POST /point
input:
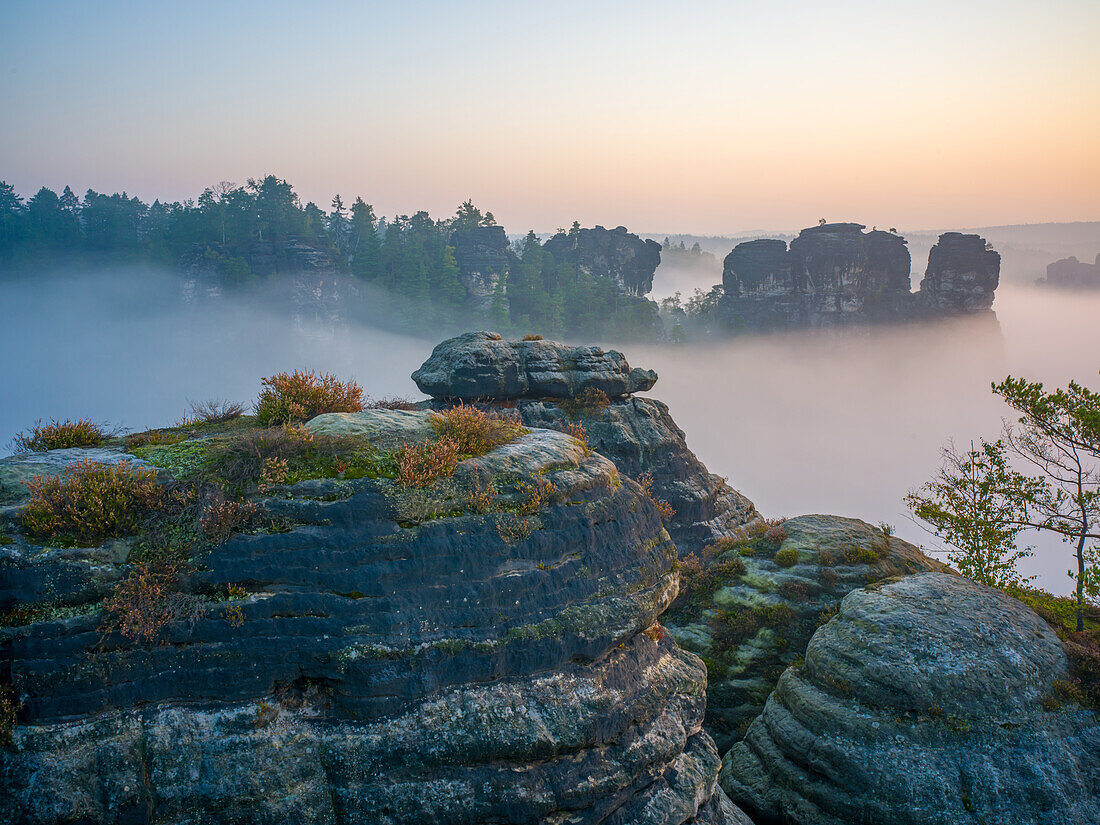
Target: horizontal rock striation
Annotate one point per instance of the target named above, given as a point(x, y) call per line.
point(837, 274)
point(481, 365)
point(442, 671)
point(926, 700)
point(616, 254)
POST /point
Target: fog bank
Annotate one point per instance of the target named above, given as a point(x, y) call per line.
point(842, 422)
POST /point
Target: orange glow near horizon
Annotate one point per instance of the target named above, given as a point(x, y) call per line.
point(715, 118)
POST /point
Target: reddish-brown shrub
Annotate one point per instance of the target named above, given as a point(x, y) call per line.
point(535, 494)
point(143, 603)
point(532, 337)
point(299, 395)
point(663, 507)
point(474, 431)
point(220, 519)
point(420, 464)
point(91, 502)
point(58, 435)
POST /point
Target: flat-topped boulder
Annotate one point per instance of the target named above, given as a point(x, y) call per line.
point(482, 365)
point(931, 699)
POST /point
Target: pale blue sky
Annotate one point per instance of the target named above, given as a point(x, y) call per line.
point(709, 116)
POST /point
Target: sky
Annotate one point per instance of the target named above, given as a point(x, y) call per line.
point(705, 117)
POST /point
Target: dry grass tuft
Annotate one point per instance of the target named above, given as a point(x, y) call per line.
point(215, 411)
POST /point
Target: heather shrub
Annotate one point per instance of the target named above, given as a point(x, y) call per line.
point(145, 602)
point(534, 494)
point(59, 435)
point(645, 480)
point(775, 535)
point(787, 557)
point(855, 554)
point(91, 502)
point(589, 402)
point(532, 337)
point(420, 464)
point(474, 431)
point(299, 396)
point(513, 528)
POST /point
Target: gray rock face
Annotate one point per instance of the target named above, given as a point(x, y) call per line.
point(962, 275)
point(639, 435)
point(480, 365)
point(832, 274)
point(443, 671)
point(922, 702)
point(1072, 273)
point(750, 615)
point(484, 258)
point(615, 253)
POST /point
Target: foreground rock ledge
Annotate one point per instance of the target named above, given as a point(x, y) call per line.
point(924, 701)
point(382, 673)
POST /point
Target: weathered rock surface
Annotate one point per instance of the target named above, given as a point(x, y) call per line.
point(963, 272)
point(1074, 274)
point(639, 435)
point(381, 674)
point(752, 616)
point(925, 700)
point(837, 274)
point(484, 259)
point(616, 254)
point(481, 365)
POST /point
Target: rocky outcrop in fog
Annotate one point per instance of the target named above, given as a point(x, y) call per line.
point(837, 274)
point(616, 254)
point(962, 275)
point(484, 257)
point(1072, 273)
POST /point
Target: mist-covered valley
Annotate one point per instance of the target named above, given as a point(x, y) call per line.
point(829, 421)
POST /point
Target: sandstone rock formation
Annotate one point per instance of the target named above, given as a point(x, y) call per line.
point(1072, 273)
point(925, 700)
point(837, 274)
point(609, 253)
point(832, 274)
point(760, 596)
point(483, 365)
point(484, 259)
point(963, 272)
point(638, 434)
point(380, 667)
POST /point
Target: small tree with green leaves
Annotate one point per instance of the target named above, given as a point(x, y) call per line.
point(1058, 434)
point(978, 505)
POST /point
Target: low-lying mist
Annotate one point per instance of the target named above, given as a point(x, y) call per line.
point(841, 422)
point(848, 422)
